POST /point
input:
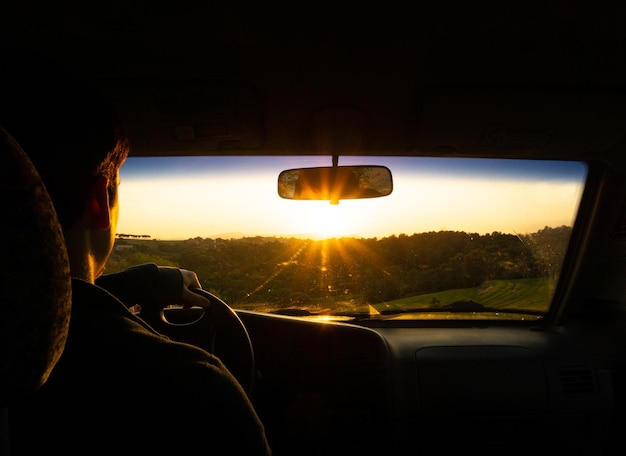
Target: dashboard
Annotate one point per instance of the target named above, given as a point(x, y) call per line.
point(323, 386)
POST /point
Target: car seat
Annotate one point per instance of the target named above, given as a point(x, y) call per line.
point(35, 288)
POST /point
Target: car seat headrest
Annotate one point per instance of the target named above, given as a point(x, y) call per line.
point(35, 284)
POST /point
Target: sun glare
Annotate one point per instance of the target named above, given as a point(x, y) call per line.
point(325, 220)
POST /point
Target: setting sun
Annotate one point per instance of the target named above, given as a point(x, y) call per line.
point(324, 220)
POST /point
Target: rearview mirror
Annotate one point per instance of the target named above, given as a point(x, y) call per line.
point(335, 183)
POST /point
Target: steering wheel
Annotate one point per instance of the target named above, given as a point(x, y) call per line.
point(216, 329)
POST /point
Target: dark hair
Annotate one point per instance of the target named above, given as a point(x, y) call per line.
point(68, 129)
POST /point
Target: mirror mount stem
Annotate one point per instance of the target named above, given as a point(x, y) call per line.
point(334, 199)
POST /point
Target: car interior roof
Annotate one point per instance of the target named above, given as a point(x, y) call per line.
point(468, 80)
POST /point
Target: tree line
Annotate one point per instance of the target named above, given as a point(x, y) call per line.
point(298, 272)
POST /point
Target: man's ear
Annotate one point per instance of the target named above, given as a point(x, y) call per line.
point(99, 203)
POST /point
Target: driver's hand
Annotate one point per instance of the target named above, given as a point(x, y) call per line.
point(188, 298)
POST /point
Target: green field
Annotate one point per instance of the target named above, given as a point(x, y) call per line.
point(527, 294)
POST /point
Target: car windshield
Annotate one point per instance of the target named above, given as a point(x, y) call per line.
point(455, 239)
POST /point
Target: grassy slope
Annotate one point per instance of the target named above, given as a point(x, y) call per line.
point(532, 294)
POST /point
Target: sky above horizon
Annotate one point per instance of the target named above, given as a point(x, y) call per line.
point(211, 197)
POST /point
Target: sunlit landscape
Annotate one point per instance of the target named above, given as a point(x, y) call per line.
point(462, 237)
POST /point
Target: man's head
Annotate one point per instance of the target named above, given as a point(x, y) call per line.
point(70, 133)
point(67, 129)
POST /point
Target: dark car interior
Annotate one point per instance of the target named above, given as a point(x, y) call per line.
point(534, 80)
